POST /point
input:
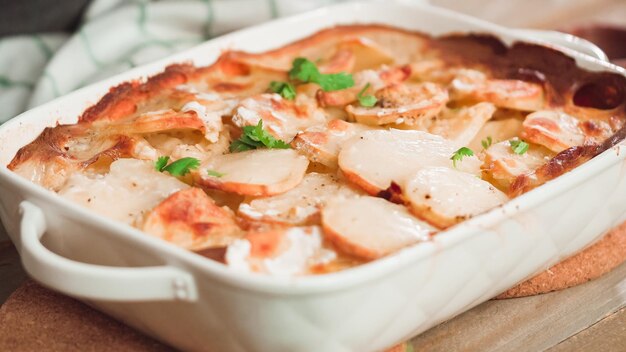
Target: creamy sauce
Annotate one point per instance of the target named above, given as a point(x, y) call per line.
point(126, 193)
point(300, 204)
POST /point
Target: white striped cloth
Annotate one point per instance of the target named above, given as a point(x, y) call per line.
point(119, 34)
point(116, 35)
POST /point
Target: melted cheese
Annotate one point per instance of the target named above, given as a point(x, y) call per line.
point(298, 205)
point(296, 251)
point(282, 118)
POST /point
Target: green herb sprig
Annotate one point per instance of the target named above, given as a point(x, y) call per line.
point(306, 71)
point(518, 146)
point(285, 89)
point(366, 100)
point(214, 173)
point(461, 153)
point(254, 137)
point(180, 167)
point(486, 143)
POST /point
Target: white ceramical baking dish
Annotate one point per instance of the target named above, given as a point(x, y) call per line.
point(196, 304)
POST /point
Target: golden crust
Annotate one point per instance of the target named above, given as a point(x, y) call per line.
point(190, 219)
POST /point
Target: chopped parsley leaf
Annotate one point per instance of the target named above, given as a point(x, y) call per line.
point(460, 154)
point(254, 137)
point(486, 143)
point(214, 173)
point(161, 163)
point(180, 167)
point(366, 100)
point(285, 89)
point(518, 146)
point(305, 71)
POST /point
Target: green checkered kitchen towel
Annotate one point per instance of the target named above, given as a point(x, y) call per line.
point(117, 35)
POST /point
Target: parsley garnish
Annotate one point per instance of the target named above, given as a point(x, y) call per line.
point(180, 167)
point(486, 142)
point(214, 173)
point(285, 89)
point(366, 100)
point(305, 71)
point(460, 154)
point(254, 137)
point(161, 163)
point(518, 146)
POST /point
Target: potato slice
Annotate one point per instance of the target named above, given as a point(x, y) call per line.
point(503, 165)
point(505, 93)
point(158, 121)
point(402, 103)
point(280, 252)
point(261, 172)
point(555, 130)
point(192, 220)
point(373, 159)
point(497, 130)
point(136, 182)
point(445, 197)
point(461, 126)
point(299, 205)
point(322, 144)
point(367, 53)
point(370, 227)
point(282, 118)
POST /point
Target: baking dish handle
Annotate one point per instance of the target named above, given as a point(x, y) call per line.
point(97, 282)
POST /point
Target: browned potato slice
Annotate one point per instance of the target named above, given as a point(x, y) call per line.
point(322, 144)
point(555, 130)
point(461, 126)
point(445, 197)
point(158, 121)
point(190, 219)
point(374, 159)
point(299, 205)
point(102, 193)
point(261, 172)
point(502, 164)
point(370, 227)
point(281, 117)
point(505, 93)
point(280, 251)
point(402, 103)
point(367, 54)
